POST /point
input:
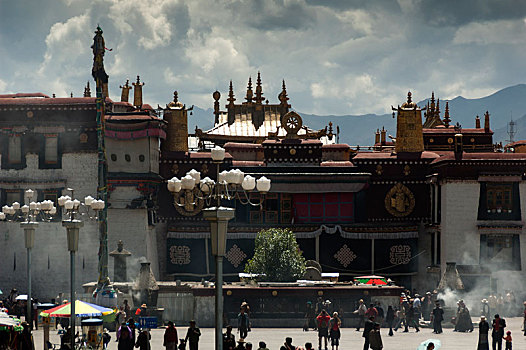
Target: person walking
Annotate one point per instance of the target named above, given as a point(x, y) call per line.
point(411, 318)
point(483, 334)
point(375, 339)
point(438, 317)
point(334, 330)
point(192, 336)
point(497, 332)
point(243, 323)
point(401, 315)
point(361, 314)
point(170, 337)
point(389, 319)
point(229, 339)
point(143, 340)
point(323, 327)
point(367, 328)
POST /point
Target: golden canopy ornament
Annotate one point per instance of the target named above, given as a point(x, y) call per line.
point(399, 201)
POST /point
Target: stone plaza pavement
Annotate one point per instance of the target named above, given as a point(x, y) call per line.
point(351, 339)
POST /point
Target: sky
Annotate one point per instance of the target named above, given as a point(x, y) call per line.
point(337, 57)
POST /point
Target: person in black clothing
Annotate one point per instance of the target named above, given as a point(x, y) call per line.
point(229, 340)
point(438, 317)
point(143, 340)
point(483, 334)
point(411, 318)
point(389, 318)
point(497, 332)
point(369, 325)
point(192, 336)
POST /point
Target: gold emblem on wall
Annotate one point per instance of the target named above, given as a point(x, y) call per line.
point(193, 202)
point(399, 201)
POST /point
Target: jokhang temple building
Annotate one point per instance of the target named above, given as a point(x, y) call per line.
point(435, 194)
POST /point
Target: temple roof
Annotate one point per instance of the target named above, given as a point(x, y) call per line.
point(243, 128)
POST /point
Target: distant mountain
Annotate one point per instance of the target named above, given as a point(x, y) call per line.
point(360, 129)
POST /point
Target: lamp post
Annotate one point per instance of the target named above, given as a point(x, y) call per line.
point(29, 240)
point(28, 216)
point(74, 208)
point(232, 184)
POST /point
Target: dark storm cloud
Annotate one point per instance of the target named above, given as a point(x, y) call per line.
point(273, 14)
point(456, 13)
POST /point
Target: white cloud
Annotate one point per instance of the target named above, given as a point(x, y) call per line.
point(335, 57)
point(3, 85)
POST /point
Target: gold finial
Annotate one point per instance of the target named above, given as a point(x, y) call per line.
point(446, 115)
point(409, 101)
point(71, 94)
point(438, 108)
point(231, 97)
point(176, 96)
point(125, 93)
point(486, 122)
point(477, 122)
point(87, 91)
point(54, 95)
point(259, 90)
point(249, 91)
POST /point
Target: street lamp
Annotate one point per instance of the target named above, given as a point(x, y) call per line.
point(28, 216)
point(75, 208)
point(232, 184)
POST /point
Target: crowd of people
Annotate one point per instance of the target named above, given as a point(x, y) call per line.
point(409, 313)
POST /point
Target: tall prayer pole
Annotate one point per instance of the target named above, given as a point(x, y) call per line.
point(104, 293)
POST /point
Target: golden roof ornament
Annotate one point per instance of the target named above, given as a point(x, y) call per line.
point(87, 91)
point(259, 90)
point(447, 120)
point(249, 91)
point(409, 103)
point(231, 97)
point(125, 93)
point(175, 103)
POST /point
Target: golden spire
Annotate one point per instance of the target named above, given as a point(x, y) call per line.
point(438, 108)
point(87, 91)
point(137, 93)
point(125, 94)
point(259, 90)
point(249, 91)
point(231, 97)
point(446, 116)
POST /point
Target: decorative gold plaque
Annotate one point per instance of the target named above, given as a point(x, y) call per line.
point(399, 201)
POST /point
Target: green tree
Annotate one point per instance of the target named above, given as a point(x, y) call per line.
point(277, 256)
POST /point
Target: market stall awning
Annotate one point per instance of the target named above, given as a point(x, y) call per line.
point(82, 309)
